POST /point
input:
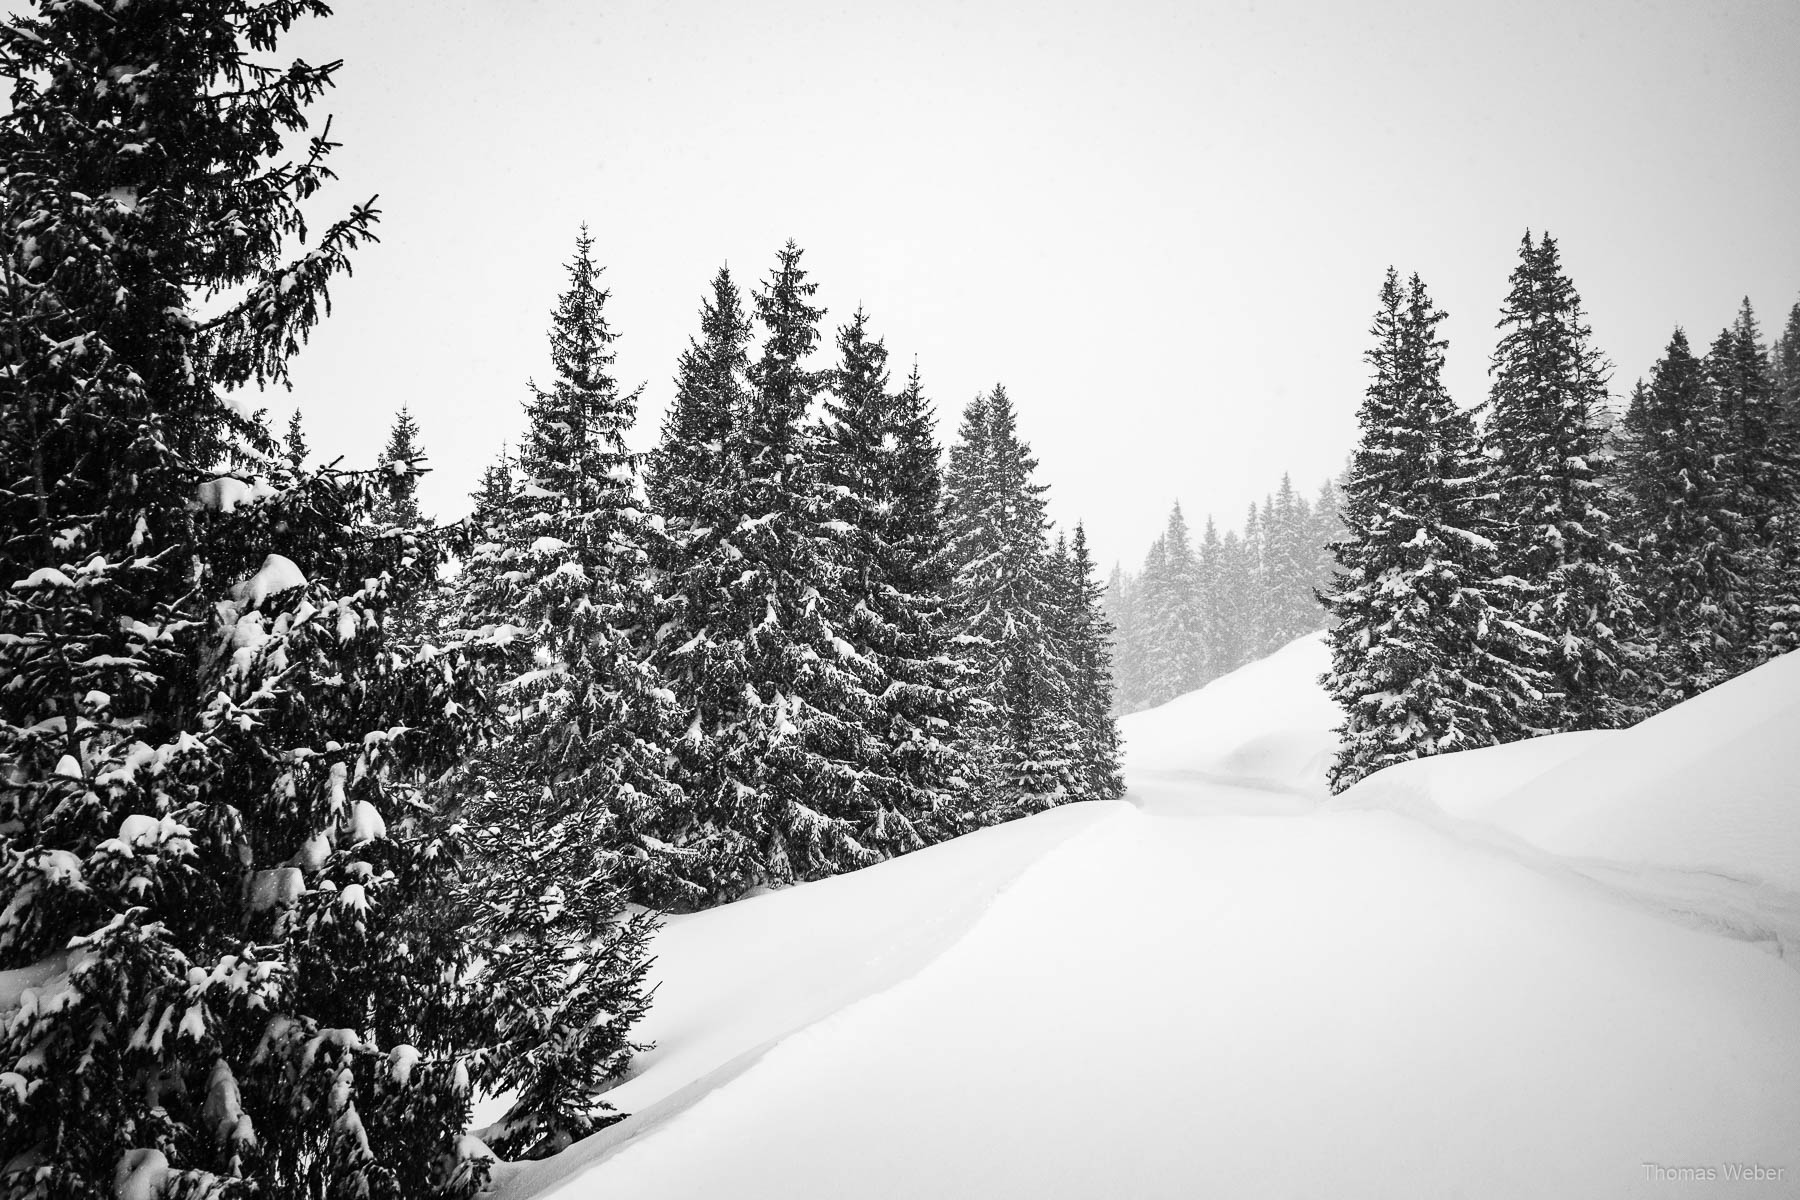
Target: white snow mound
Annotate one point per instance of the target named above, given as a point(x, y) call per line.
point(1696, 809)
point(1222, 987)
point(1267, 724)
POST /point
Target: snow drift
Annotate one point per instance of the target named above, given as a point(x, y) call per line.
point(1695, 811)
point(1267, 724)
point(1223, 987)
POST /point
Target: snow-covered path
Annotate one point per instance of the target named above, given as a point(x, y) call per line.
point(1207, 989)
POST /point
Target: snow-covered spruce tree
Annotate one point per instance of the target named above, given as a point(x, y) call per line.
point(211, 841)
point(1548, 472)
point(1327, 528)
point(294, 448)
point(1780, 616)
point(971, 537)
point(692, 475)
point(1174, 616)
point(402, 461)
point(401, 458)
point(1288, 568)
point(1209, 561)
point(563, 803)
point(1424, 659)
point(1257, 607)
point(1696, 561)
point(695, 479)
point(1151, 585)
point(1765, 461)
point(483, 595)
point(1784, 360)
point(1762, 459)
point(780, 702)
point(1086, 637)
point(1236, 596)
point(1006, 593)
point(882, 465)
point(1127, 651)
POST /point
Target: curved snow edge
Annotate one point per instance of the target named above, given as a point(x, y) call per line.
point(542, 1178)
point(1747, 910)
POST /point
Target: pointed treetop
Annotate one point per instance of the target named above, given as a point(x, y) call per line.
point(295, 449)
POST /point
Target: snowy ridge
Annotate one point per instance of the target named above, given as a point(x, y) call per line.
point(1267, 724)
point(1716, 902)
point(1694, 814)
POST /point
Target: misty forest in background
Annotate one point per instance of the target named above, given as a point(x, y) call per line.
point(1545, 562)
point(1204, 606)
point(319, 820)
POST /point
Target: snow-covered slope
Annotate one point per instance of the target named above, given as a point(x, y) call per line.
point(1212, 989)
point(1267, 724)
point(1695, 811)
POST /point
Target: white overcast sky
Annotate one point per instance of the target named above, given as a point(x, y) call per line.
point(1162, 225)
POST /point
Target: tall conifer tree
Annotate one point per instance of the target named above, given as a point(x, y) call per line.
point(294, 449)
point(1696, 558)
point(1780, 616)
point(694, 471)
point(1547, 466)
point(1423, 658)
point(1087, 650)
point(779, 699)
point(881, 461)
point(1174, 616)
point(402, 458)
point(1766, 464)
point(972, 537)
point(1327, 528)
point(1785, 363)
point(1127, 653)
point(574, 792)
point(211, 747)
point(1288, 568)
point(1235, 601)
point(1255, 605)
point(1007, 591)
point(1210, 560)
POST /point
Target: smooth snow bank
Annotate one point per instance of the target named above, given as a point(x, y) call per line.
point(1218, 988)
point(735, 980)
point(1696, 810)
point(1345, 1005)
point(1267, 724)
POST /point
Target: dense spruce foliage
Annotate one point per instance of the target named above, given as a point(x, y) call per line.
point(1427, 652)
point(1557, 517)
point(1554, 568)
point(219, 840)
point(868, 652)
point(562, 803)
point(1028, 624)
point(317, 821)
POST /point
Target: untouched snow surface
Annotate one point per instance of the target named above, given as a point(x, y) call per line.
point(1267, 724)
point(1214, 988)
point(1696, 811)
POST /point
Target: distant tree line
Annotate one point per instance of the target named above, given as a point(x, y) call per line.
point(1537, 566)
point(1202, 608)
